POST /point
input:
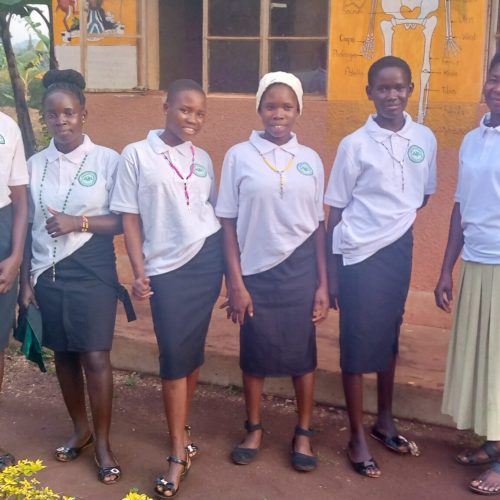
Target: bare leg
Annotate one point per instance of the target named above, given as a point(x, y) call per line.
point(175, 402)
point(253, 387)
point(2, 363)
point(304, 392)
point(70, 377)
point(191, 381)
point(385, 391)
point(97, 367)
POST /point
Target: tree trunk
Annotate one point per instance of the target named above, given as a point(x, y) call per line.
point(52, 53)
point(18, 88)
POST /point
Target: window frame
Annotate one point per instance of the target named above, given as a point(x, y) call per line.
point(264, 39)
point(493, 41)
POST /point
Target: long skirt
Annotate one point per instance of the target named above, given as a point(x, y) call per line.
point(472, 384)
point(372, 296)
point(7, 300)
point(280, 338)
point(181, 306)
point(78, 309)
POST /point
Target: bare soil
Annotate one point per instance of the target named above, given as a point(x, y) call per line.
point(33, 422)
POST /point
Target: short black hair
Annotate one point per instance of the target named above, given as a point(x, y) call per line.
point(67, 80)
point(182, 84)
point(494, 62)
point(388, 62)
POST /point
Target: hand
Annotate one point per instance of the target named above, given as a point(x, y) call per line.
point(8, 273)
point(60, 223)
point(141, 289)
point(238, 304)
point(26, 296)
point(443, 292)
point(321, 305)
point(333, 290)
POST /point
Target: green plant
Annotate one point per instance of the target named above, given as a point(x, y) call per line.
point(15, 485)
point(132, 379)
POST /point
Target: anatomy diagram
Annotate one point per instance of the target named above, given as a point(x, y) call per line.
point(410, 14)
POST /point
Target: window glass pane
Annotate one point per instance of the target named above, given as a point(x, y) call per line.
point(305, 59)
point(233, 66)
point(181, 28)
point(233, 17)
point(299, 18)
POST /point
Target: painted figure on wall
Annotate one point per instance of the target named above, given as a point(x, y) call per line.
point(410, 14)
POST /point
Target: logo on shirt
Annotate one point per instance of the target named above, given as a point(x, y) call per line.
point(2, 139)
point(199, 170)
point(304, 168)
point(87, 179)
point(416, 154)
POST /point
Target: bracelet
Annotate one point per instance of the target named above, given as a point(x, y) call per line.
point(85, 224)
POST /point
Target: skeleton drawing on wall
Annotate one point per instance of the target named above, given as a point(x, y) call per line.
point(410, 14)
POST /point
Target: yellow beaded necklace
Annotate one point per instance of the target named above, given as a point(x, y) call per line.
point(280, 172)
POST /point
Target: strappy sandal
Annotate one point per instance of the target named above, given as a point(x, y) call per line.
point(469, 456)
point(104, 474)
point(300, 461)
point(475, 488)
point(66, 454)
point(395, 443)
point(367, 468)
point(163, 485)
point(244, 456)
point(192, 449)
point(6, 460)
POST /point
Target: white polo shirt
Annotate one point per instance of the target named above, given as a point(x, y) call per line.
point(173, 233)
point(13, 171)
point(379, 178)
point(478, 192)
point(270, 226)
point(90, 195)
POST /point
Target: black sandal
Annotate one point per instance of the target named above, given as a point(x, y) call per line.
point(192, 449)
point(300, 461)
point(163, 485)
point(244, 456)
point(469, 456)
point(6, 460)
point(104, 473)
point(65, 454)
point(367, 468)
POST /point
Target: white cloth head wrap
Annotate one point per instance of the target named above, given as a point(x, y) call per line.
point(280, 77)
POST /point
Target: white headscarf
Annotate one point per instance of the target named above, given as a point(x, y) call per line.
point(280, 77)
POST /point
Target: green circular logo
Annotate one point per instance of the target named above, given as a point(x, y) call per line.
point(199, 170)
point(304, 168)
point(416, 154)
point(87, 179)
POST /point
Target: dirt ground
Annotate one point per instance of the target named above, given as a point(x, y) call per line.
point(33, 423)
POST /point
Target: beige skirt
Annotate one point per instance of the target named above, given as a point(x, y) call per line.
point(472, 386)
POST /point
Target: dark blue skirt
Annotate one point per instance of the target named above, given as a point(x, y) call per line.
point(372, 296)
point(181, 307)
point(280, 339)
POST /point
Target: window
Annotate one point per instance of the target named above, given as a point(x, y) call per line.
point(229, 44)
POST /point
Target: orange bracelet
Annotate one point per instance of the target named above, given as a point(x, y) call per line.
point(85, 224)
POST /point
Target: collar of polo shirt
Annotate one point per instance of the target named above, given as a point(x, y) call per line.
point(264, 146)
point(159, 147)
point(379, 134)
point(484, 128)
point(75, 156)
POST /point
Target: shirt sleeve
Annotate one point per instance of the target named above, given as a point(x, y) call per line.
point(228, 199)
point(320, 189)
point(212, 198)
point(458, 191)
point(342, 178)
point(430, 185)
point(19, 171)
point(124, 197)
point(31, 206)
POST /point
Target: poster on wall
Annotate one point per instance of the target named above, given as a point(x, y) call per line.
point(442, 40)
point(103, 17)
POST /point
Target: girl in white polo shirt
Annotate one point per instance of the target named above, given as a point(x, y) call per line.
point(166, 193)
point(13, 224)
point(73, 276)
point(383, 173)
point(271, 205)
point(472, 390)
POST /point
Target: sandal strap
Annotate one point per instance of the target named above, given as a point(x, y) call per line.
point(495, 466)
point(187, 428)
point(177, 460)
point(491, 450)
point(252, 427)
point(164, 483)
point(300, 431)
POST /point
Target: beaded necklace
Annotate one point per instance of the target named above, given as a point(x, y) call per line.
point(65, 204)
point(184, 179)
point(401, 161)
point(280, 172)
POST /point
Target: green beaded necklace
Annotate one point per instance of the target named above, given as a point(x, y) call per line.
point(65, 204)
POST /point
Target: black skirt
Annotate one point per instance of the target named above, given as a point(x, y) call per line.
point(78, 309)
point(280, 338)
point(7, 300)
point(182, 305)
point(372, 296)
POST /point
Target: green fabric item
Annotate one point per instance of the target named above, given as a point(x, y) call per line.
point(29, 333)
